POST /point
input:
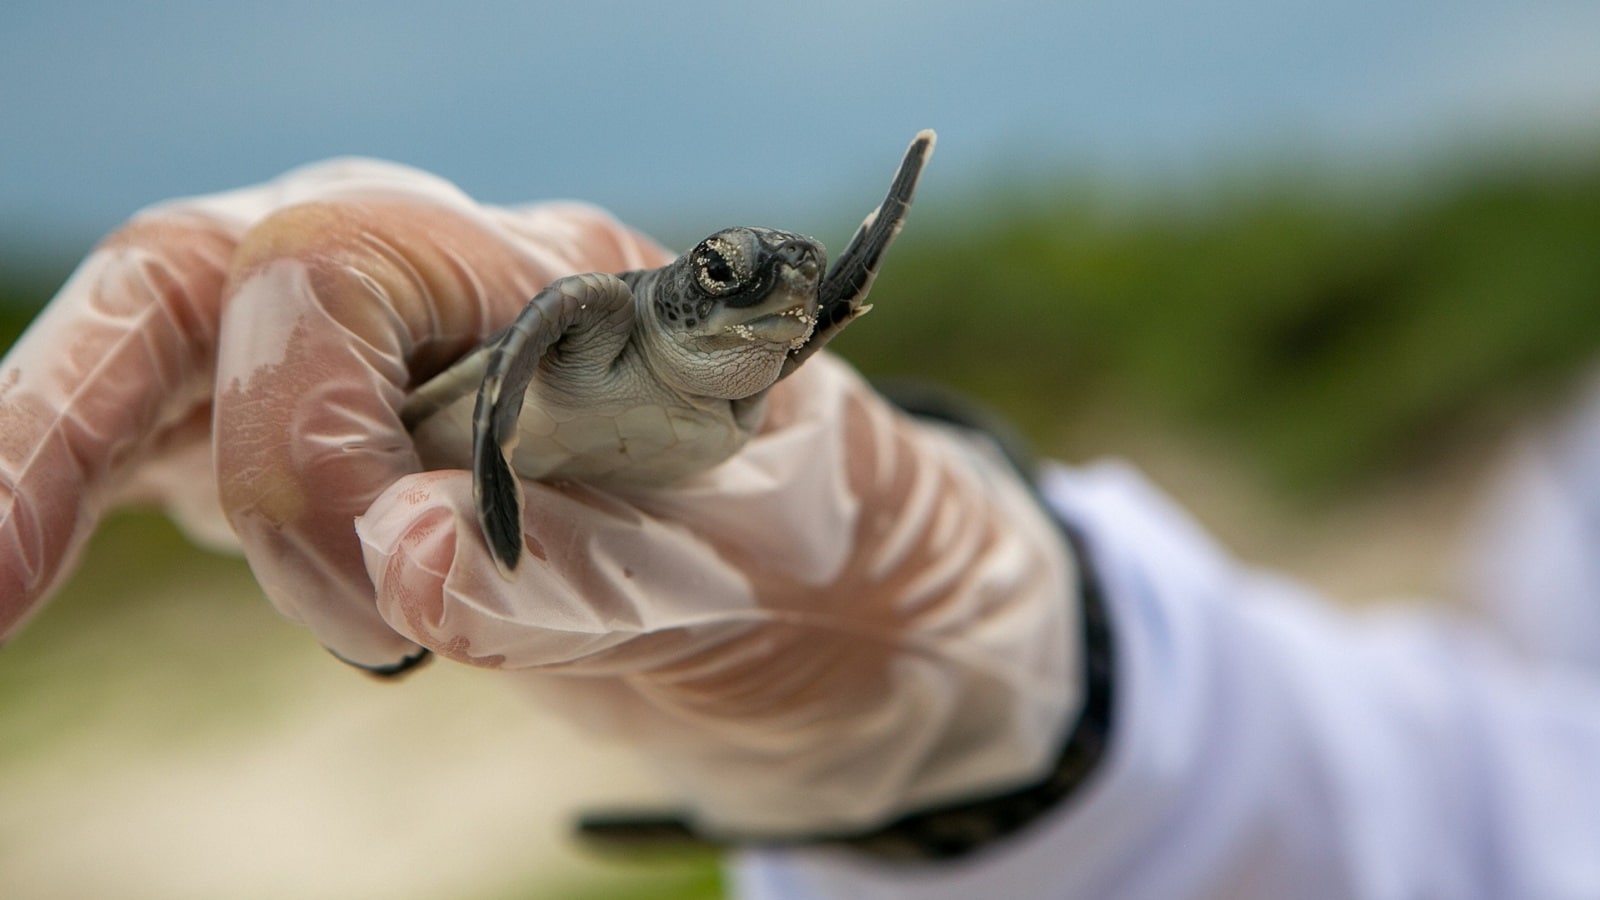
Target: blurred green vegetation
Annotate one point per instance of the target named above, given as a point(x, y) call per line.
point(1323, 336)
point(691, 876)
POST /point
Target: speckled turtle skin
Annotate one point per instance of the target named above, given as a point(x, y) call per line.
point(649, 376)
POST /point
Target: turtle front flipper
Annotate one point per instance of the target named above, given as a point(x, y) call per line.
point(591, 315)
point(840, 298)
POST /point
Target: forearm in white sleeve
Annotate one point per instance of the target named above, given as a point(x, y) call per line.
point(1266, 745)
point(1533, 567)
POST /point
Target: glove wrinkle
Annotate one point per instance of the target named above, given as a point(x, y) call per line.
point(103, 373)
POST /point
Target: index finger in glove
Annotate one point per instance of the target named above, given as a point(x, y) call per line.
point(113, 381)
point(123, 354)
point(335, 310)
point(603, 576)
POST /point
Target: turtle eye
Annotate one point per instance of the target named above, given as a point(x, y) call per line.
point(714, 271)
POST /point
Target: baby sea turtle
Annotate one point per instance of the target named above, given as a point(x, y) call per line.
point(650, 376)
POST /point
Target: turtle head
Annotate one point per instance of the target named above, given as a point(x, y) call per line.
point(747, 284)
point(733, 308)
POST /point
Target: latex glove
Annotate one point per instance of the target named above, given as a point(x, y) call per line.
point(854, 616)
point(271, 333)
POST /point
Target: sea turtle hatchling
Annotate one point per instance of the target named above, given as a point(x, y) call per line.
point(649, 376)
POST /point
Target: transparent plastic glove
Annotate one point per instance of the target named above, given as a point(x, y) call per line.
point(267, 336)
point(856, 615)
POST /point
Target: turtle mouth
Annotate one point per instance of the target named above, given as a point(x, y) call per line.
point(785, 316)
point(791, 327)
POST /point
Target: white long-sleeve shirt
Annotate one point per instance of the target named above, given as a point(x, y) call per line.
point(1267, 745)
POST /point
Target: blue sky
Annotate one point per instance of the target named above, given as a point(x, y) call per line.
point(687, 117)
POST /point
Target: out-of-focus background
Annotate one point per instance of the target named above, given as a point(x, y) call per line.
point(1310, 264)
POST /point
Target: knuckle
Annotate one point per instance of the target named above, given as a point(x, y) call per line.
point(303, 231)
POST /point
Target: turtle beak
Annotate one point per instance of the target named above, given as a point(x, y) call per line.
point(800, 263)
point(787, 313)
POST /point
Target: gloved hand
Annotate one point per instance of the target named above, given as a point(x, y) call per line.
point(855, 616)
point(271, 332)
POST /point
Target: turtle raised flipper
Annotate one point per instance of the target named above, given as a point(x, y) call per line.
point(592, 315)
point(845, 290)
